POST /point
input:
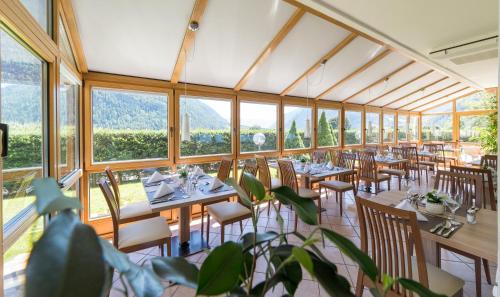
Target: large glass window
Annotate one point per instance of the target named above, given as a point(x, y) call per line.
point(437, 127)
point(372, 127)
point(298, 127)
point(68, 110)
point(402, 127)
point(258, 127)
point(413, 128)
point(388, 127)
point(40, 10)
point(471, 126)
point(445, 108)
point(328, 127)
point(205, 126)
point(65, 44)
point(477, 101)
point(21, 107)
point(352, 127)
point(129, 125)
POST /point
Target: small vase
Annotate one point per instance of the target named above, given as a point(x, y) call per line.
point(434, 208)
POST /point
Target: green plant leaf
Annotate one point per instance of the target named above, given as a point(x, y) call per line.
point(241, 193)
point(143, 281)
point(220, 271)
point(66, 261)
point(254, 185)
point(302, 256)
point(177, 270)
point(114, 257)
point(291, 274)
point(247, 240)
point(49, 197)
point(387, 282)
point(246, 268)
point(327, 276)
point(304, 207)
point(352, 251)
point(416, 287)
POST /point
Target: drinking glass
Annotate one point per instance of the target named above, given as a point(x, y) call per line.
point(454, 202)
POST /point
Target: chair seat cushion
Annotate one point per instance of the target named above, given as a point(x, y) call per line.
point(337, 185)
point(226, 211)
point(308, 193)
point(135, 210)
point(392, 171)
point(440, 281)
point(143, 231)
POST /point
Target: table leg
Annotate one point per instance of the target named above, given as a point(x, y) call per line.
point(187, 242)
point(184, 227)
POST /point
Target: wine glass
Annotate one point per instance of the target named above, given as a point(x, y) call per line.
point(454, 202)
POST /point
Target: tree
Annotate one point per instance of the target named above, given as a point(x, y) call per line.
point(488, 133)
point(325, 135)
point(293, 139)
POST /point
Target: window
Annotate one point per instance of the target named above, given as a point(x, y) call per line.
point(40, 10)
point(389, 128)
point(477, 101)
point(328, 127)
point(352, 127)
point(22, 100)
point(297, 127)
point(129, 125)
point(413, 128)
point(372, 127)
point(402, 127)
point(258, 127)
point(65, 44)
point(446, 108)
point(471, 126)
point(205, 126)
point(68, 110)
point(437, 127)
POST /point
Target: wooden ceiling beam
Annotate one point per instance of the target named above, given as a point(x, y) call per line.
point(386, 77)
point(448, 101)
point(355, 72)
point(400, 86)
point(318, 64)
point(290, 24)
point(428, 95)
point(187, 42)
point(74, 36)
point(416, 91)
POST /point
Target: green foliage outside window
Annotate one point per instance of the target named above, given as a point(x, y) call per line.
point(325, 134)
point(293, 140)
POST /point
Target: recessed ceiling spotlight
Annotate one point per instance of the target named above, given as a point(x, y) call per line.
point(194, 26)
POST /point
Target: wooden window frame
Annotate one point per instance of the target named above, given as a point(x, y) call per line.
point(357, 108)
point(298, 102)
point(377, 110)
point(324, 104)
point(389, 112)
point(406, 115)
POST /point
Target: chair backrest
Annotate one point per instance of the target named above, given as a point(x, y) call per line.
point(319, 156)
point(114, 184)
point(224, 169)
point(437, 149)
point(398, 152)
point(334, 157)
point(488, 197)
point(113, 207)
point(469, 186)
point(247, 168)
point(410, 153)
point(386, 236)
point(288, 176)
point(489, 161)
point(347, 160)
point(371, 148)
point(368, 167)
point(264, 173)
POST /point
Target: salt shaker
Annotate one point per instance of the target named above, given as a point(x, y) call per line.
point(471, 213)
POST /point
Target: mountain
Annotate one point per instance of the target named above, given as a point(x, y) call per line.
point(202, 115)
point(298, 116)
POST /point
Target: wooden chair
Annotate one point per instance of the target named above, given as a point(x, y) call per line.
point(226, 212)
point(368, 171)
point(289, 178)
point(410, 153)
point(386, 234)
point(319, 156)
point(470, 186)
point(489, 200)
point(489, 161)
point(439, 157)
point(396, 170)
point(131, 212)
point(222, 174)
point(265, 177)
point(137, 235)
point(334, 156)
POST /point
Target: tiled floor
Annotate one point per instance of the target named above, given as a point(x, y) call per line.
point(346, 225)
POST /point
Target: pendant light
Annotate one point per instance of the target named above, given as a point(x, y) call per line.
point(307, 132)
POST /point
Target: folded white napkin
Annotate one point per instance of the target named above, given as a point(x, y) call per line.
point(406, 205)
point(163, 189)
point(307, 168)
point(156, 177)
point(198, 171)
point(329, 165)
point(214, 184)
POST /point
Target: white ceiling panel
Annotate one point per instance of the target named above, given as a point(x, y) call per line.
point(122, 37)
point(443, 100)
point(435, 96)
point(353, 56)
point(420, 94)
point(375, 72)
point(232, 35)
point(416, 85)
point(308, 41)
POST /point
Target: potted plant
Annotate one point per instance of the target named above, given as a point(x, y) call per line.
point(183, 175)
point(303, 161)
point(435, 202)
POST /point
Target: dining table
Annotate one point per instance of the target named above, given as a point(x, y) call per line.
point(478, 239)
point(187, 242)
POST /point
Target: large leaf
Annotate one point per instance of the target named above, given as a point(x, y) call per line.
point(332, 282)
point(66, 261)
point(291, 273)
point(248, 239)
point(302, 256)
point(417, 288)
point(255, 187)
point(349, 249)
point(143, 281)
point(220, 271)
point(177, 270)
point(114, 257)
point(241, 193)
point(50, 199)
point(304, 207)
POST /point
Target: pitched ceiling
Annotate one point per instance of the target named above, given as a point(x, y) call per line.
point(260, 45)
